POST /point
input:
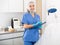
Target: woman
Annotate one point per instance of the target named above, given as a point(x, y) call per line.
point(31, 22)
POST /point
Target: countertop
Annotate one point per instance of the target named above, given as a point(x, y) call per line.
point(10, 35)
point(2, 32)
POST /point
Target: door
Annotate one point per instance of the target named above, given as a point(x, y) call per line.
point(18, 41)
point(3, 5)
point(6, 42)
point(15, 5)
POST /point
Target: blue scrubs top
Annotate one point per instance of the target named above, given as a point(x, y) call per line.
point(31, 34)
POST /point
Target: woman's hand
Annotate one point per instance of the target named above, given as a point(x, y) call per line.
point(27, 26)
point(37, 24)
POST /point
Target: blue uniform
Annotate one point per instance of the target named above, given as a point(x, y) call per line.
point(31, 34)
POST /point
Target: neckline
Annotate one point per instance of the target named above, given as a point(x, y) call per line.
point(32, 16)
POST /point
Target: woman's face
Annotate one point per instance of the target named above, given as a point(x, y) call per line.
point(32, 7)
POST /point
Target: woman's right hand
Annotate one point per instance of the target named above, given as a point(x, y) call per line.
point(37, 24)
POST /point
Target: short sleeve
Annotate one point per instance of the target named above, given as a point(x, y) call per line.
point(24, 19)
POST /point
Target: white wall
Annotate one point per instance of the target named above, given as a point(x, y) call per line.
point(47, 4)
point(5, 17)
point(11, 5)
point(53, 4)
point(43, 10)
point(43, 13)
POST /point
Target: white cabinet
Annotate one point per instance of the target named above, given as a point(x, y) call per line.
point(6, 42)
point(3, 5)
point(11, 39)
point(11, 5)
point(15, 6)
point(52, 4)
point(26, 2)
point(4, 39)
point(18, 41)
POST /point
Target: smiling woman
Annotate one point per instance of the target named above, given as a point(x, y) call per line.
point(32, 24)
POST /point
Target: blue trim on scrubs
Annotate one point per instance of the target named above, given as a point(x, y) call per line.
point(31, 34)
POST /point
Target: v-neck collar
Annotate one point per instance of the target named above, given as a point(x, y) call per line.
point(32, 16)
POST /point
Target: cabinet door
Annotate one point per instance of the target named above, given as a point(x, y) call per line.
point(3, 5)
point(18, 41)
point(15, 5)
point(6, 42)
point(4, 39)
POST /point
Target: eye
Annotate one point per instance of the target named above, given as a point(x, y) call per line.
point(31, 6)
